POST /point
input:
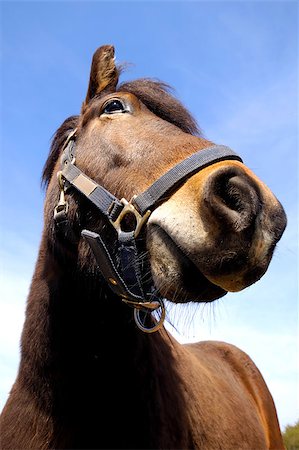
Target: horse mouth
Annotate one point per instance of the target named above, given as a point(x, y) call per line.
point(178, 279)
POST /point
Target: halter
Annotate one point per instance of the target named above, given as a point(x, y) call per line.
point(123, 269)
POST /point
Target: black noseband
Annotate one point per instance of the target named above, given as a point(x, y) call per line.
point(125, 276)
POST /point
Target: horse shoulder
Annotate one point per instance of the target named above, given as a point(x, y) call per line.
point(230, 363)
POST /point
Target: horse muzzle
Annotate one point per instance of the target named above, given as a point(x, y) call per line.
point(226, 224)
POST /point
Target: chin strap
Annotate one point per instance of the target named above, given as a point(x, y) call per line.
point(122, 267)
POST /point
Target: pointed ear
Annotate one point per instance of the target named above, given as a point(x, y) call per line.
point(103, 74)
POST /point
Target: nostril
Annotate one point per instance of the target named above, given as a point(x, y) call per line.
point(236, 194)
point(233, 198)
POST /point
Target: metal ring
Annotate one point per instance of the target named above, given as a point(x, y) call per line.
point(129, 208)
point(157, 324)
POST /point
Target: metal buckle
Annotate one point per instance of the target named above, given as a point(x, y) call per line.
point(130, 209)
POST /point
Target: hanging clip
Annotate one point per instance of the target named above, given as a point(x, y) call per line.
point(62, 206)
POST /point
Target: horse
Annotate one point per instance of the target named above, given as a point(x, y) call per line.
point(98, 368)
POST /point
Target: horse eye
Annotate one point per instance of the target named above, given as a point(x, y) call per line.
point(113, 106)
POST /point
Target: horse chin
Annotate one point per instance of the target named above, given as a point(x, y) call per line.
point(175, 276)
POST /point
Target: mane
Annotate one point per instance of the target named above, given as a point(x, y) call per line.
point(57, 142)
point(154, 94)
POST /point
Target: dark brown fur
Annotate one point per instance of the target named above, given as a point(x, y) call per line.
point(88, 378)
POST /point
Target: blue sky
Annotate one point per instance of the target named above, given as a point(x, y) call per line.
point(235, 66)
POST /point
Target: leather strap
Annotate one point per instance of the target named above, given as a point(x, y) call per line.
point(110, 206)
point(108, 267)
point(106, 202)
point(130, 263)
point(177, 174)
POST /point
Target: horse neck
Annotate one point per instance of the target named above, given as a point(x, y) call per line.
point(81, 351)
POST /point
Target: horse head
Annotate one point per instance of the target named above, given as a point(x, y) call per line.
point(213, 232)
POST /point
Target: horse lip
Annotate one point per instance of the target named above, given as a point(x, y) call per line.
point(203, 290)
